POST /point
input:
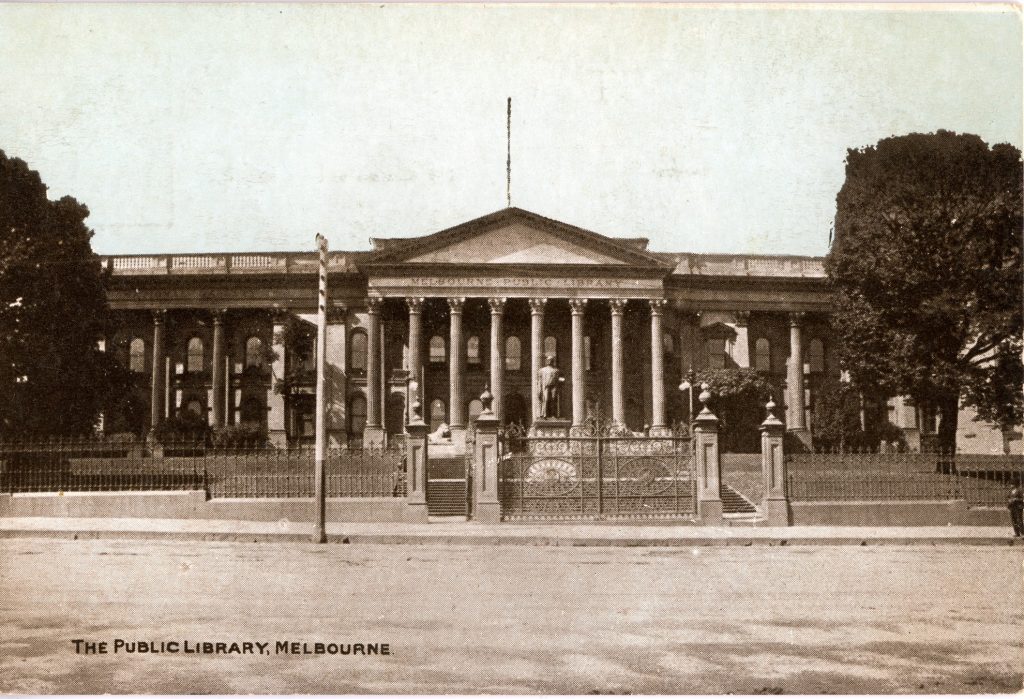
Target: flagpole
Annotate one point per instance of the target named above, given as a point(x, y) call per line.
point(320, 529)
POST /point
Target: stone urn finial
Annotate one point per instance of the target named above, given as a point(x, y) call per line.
point(705, 416)
point(771, 420)
point(705, 394)
point(486, 399)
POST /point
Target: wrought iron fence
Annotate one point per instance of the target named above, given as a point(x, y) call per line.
point(979, 479)
point(253, 471)
point(596, 475)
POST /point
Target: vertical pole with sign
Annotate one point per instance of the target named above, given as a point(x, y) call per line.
point(320, 477)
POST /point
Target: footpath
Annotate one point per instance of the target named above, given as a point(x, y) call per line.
point(473, 533)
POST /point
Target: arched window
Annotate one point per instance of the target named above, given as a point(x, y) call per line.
point(714, 348)
point(195, 355)
point(437, 350)
point(357, 415)
point(254, 352)
point(668, 343)
point(513, 358)
point(357, 361)
point(137, 355)
point(762, 355)
point(473, 350)
point(550, 347)
point(474, 409)
point(195, 407)
point(816, 355)
point(437, 413)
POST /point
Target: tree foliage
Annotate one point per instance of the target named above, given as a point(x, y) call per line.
point(738, 398)
point(926, 270)
point(53, 377)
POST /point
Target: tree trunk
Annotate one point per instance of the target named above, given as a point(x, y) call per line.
point(949, 407)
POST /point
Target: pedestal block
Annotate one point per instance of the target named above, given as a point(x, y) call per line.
point(416, 471)
point(487, 507)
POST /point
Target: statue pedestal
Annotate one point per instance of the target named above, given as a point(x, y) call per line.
point(550, 427)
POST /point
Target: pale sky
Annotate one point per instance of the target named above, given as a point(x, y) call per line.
point(195, 128)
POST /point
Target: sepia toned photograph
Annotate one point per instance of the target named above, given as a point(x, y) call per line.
point(511, 349)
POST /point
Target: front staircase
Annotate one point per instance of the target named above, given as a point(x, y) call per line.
point(735, 503)
point(447, 494)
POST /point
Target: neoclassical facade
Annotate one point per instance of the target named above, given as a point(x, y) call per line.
point(481, 304)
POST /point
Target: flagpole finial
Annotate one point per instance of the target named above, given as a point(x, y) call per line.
point(508, 154)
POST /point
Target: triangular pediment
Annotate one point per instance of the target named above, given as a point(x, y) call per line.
point(513, 237)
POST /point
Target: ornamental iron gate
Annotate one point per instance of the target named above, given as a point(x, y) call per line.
point(596, 473)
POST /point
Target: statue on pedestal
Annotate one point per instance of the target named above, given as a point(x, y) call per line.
point(550, 379)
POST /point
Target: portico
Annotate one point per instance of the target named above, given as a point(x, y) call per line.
point(482, 304)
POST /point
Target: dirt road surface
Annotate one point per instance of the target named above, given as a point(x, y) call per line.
point(517, 619)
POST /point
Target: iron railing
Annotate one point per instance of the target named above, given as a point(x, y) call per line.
point(254, 471)
point(978, 479)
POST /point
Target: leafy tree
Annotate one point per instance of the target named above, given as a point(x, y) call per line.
point(738, 398)
point(53, 377)
point(298, 337)
point(926, 270)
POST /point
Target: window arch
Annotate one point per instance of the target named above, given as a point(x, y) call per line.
point(195, 355)
point(762, 355)
point(714, 348)
point(137, 355)
point(195, 407)
point(816, 355)
point(473, 350)
point(438, 413)
point(357, 359)
point(357, 415)
point(437, 353)
point(254, 352)
point(513, 354)
point(551, 347)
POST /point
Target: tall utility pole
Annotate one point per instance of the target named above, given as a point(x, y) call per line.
point(320, 529)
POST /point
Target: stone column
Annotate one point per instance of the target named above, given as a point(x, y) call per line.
point(156, 405)
point(276, 430)
point(739, 348)
point(773, 468)
point(497, 356)
point(618, 404)
point(579, 406)
point(487, 507)
point(336, 366)
point(659, 426)
point(536, 353)
point(709, 465)
point(416, 465)
point(415, 305)
point(456, 372)
point(373, 435)
point(795, 375)
point(218, 373)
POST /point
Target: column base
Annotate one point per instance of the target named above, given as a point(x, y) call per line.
point(710, 511)
point(777, 512)
point(337, 439)
point(373, 438)
point(487, 512)
point(458, 435)
point(279, 438)
point(803, 435)
point(416, 513)
point(659, 431)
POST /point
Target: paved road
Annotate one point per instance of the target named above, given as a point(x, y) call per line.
point(513, 619)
